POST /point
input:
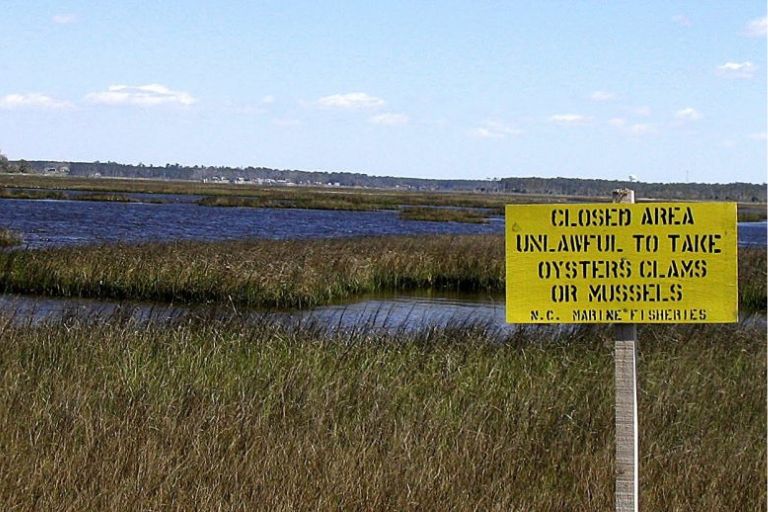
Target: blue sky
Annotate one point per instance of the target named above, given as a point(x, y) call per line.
point(662, 90)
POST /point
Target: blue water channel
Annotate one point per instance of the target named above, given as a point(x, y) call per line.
point(45, 223)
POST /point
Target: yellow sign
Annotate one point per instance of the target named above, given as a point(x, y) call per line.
point(622, 263)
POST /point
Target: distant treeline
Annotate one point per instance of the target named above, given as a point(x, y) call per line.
point(199, 172)
point(743, 192)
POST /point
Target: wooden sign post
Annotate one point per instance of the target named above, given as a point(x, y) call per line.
point(624, 264)
point(625, 385)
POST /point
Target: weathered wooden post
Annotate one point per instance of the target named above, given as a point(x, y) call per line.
point(625, 385)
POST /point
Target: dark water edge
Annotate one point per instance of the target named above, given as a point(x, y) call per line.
point(51, 223)
point(389, 313)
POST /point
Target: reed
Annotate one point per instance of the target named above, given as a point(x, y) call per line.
point(293, 273)
point(748, 212)
point(102, 196)
point(220, 415)
point(444, 215)
point(7, 193)
point(297, 273)
point(9, 238)
point(298, 200)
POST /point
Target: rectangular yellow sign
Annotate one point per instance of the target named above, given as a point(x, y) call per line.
point(621, 263)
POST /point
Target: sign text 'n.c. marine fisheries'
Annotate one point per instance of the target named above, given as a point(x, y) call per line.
point(622, 263)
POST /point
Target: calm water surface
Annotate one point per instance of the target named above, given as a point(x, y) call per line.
point(46, 223)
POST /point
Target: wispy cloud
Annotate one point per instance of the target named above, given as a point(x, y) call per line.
point(33, 100)
point(602, 96)
point(64, 19)
point(687, 114)
point(268, 99)
point(390, 119)
point(737, 69)
point(351, 100)
point(640, 129)
point(569, 119)
point(757, 27)
point(141, 95)
point(682, 20)
point(494, 130)
point(632, 129)
point(758, 136)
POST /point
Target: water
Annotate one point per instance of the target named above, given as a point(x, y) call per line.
point(46, 223)
point(753, 234)
point(54, 223)
point(392, 313)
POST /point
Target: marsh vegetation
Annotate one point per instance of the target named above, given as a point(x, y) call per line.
point(205, 414)
point(287, 273)
point(9, 238)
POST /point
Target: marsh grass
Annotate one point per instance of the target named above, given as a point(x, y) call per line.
point(297, 273)
point(220, 415)
point(10, 238)
point(8, 193)
point(752, 279)
point(280, 199)
point(294, 273)
point(102, 196)
point(748, 212)
point(445, 215)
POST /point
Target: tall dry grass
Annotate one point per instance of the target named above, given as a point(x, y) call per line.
point(10, 238)
point(298, 273)
point(204, 415)
point(258, 273)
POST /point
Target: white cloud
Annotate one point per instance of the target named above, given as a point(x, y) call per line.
point(758, 136)
point(639, 129)
point(570, 119)
point(757, 27)
point(602, 96)
point(268, 99)
point(688, 114)
point(682, 20)
point(634, 129)
point(64, 19)
point(390, 119)
point(494, 130)
point(737, 69)
point(141, 95)
point(33, 100)
point(351, 100)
